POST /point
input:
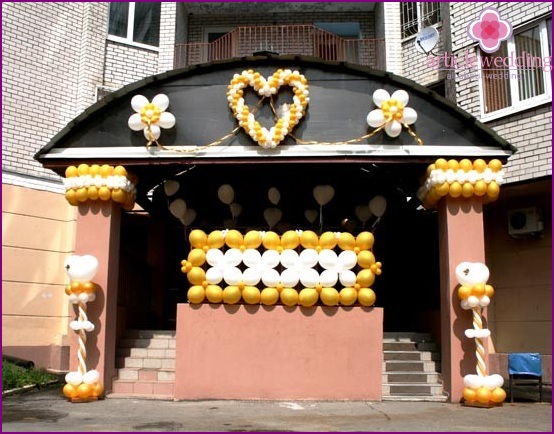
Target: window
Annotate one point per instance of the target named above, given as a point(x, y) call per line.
point(517, 76)
point(418, 15)
point(135, 23)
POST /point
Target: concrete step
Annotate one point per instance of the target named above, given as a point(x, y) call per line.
point(413, 389)
point(146, 353)
point(415, 398)
point(410, 355)
point(160, 389)
point(409, 346)
point(162, 343)
point(410, 377)
point(406, 337)
point(391, 366)
point(150, 334)
point(146, 374)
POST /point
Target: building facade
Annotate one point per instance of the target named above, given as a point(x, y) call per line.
point(69, 55)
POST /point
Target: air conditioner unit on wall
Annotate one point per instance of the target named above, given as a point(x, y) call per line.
point(525, 222)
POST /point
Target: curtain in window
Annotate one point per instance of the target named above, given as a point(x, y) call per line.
point(119, 14)
point(530, 76)
point(147, 23)
point(496, 81)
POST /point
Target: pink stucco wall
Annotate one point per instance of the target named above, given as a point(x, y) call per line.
point(276, 352)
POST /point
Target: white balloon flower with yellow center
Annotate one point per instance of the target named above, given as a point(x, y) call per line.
point(392, 112)
point(150, 116)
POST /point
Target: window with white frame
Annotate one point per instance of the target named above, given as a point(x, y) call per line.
point(518, 75)
point(135, 23)
point(417, 15)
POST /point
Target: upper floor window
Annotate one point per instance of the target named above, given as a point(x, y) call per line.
point(135, 23)
point(518, 75)
point(418, 15)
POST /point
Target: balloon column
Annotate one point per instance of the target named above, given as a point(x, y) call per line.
point(296, 268)
point(480, 390)
point(82, 385)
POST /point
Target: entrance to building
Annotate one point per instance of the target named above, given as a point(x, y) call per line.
point(153, 243)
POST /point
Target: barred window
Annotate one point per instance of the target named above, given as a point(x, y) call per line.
point(418, 15)
point(136, 23)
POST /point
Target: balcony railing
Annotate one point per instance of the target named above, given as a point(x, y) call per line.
point(304, 40)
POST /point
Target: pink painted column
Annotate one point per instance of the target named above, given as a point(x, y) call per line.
point(461, 238)
point(98, 231)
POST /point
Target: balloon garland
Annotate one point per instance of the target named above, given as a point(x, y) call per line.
point(480, 390)
point(461, 179)
point(227, 266)
point(90, 183)
point(82, 385)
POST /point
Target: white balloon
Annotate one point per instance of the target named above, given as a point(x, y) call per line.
point(470, 333)
point(84, 297)
point(135, 122)
point(348, 259)
point(81, 268)
point(167, 120)
point(393, 128)
point(274, 195)
point(290, 277)
point(311, 215)
point(272, 216)
point(484, 301)
point(214, 276)
point(226, 194)
point(472, 301)
point(88, 326)
point(497, 380)
point(178, 208)
point(233, 257)
point(465, 305)
point(73, 378)
point(251, 257)
point(171, 187)
point(323, 194)
point(308, 258)
point(309, 278)
point(270, 278)
point(473, 381)
point(236, 209)
point(289, 258)
point(401, 95)
point(270, 258)
point(155, 131)
point(380, 96)
point(347, 278)
point(328, 278)
point(214, 257)
point(232, 275)
point(75, 325)
point(410, 115)
point(91, 297)
point(378, 205)
point(252, 276)
point(162, 101)
point(138, 102)
point(375, 118)
point(363, 213)
point(189, 217)
point(489, 382)
point(472, 273)
point(73, 298)
point(91, 377)
point(328, 259)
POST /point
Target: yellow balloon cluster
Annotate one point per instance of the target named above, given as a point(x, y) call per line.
point(461, 179)
point(83, 391)
point(83, 183)
point(484, 395)
point(358, 291)
point(77, 288)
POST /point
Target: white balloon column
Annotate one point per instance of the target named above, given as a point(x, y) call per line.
point(480, 390)
point(82, 385)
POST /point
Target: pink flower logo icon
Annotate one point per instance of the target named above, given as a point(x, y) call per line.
point(489, 29)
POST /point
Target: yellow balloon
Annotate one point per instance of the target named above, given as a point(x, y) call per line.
point(483, 395)
point(327, 240)
point(234, 239)
point(442, 189)
point(120, 171)
point(479, 165)
point(289, 297)
point(366, 259)
point(104, 193)
point(478, 290)
point(97, 390)
point(498, 395)
point(365, 240)
point(196, 294)
point(464, 292)
point(441, 164)
point(71, 172)
point(470, 394)
point(348, 296)
point(365, 278)
point(94, 170)
point(493, 190)
point(495, 165)
point(329, 296)
point(430, 168)
point(347, 241)
point(105, 170)
point(480, 188)
point(489, 291)
point(83, 169)
point(308, 239)
point(119, 195)
point(251, 295)
point(290, 240)
point(231, 294)
point(308, 297)
point(214, 293)
point(84, 390)
point(216, 240)
point(70, 391)
point(467, 189)
point(366, 297)
point(455, 189)
point(71, 196)
point(453, 165)
point(271, 240)
point(197, 257)
point(269, 296)
point(252, 240)
point(92, 192)
point(196, 276)
point(82, 194)
point(466, 165)
point(198, 238)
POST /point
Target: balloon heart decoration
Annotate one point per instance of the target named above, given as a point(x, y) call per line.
point(290, 114)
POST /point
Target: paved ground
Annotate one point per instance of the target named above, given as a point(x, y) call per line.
point(47, 411)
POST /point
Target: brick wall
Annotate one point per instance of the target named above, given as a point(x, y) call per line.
point(167, 36)
point(415, 65)
point(126, 64)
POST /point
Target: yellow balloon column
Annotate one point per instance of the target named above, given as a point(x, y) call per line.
point(82, 385)
point(296, 268)
point(480, 389)
point(91, 183)
point(462, 179)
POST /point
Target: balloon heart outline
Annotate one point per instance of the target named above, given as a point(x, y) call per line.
point(290, 114)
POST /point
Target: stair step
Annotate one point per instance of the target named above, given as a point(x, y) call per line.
point(410, 366)
point(410, 377)
point(413, 389)
point(149, 343)
point(146, 353)
point(406, 337)
point(409, 346)
point(410, 355)
point(143, 387)
point(415, 398)
point(150, 334)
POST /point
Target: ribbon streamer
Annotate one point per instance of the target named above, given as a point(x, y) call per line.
point(481, 367)
point(82, 354)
